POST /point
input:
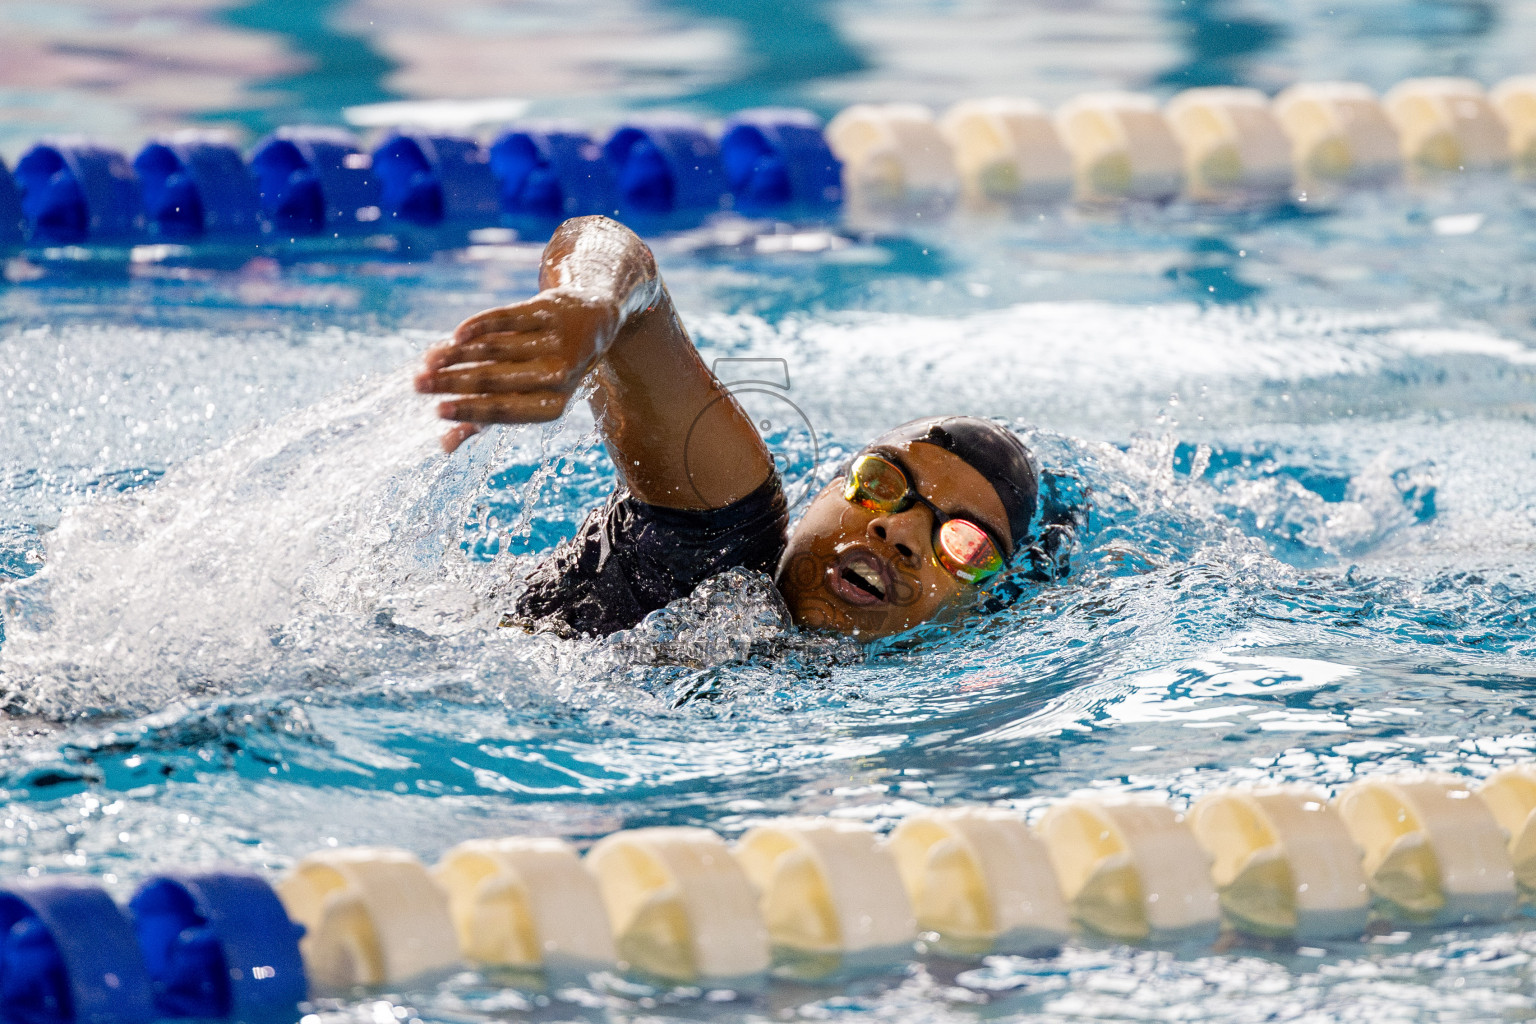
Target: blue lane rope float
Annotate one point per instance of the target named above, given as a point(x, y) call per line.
point(218, 945)
point(196, 185)
point(11, 220)
point(546, 173)
point(76, 191)
point(666, 166)
point(315, 181)
point(68, 956)
point(430, 180)
point(777, 160)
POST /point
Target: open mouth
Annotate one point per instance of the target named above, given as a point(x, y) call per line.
point(859, 577)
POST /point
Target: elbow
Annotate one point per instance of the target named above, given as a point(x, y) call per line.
point(598, 245)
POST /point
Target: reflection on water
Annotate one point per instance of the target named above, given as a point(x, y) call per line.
point(787, 45)
point(125, 71)
point(1224, 40)
point(336, 68)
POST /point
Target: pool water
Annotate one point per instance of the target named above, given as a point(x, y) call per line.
point(250, 608)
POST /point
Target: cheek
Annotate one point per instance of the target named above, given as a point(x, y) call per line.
point(800, 572)
point(934, 589)
point(824, 525)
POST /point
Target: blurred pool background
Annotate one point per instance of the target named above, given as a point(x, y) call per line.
point(125, 70)
point(249, 610)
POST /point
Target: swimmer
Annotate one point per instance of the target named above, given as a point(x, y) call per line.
point(918, 527)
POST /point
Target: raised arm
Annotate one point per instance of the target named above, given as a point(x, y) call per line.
point(676, 436)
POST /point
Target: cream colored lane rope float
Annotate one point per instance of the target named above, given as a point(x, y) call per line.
point(1341, 136)
point(680, 905)
point(830, 893)
point(981, 881)
point(1230, 146)
point(1515, 100)
point(1007, 153)
point(820, 897)
point(1283, 862)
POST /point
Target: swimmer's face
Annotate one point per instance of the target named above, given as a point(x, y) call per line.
point(872, 574)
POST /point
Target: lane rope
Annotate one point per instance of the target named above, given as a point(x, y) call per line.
point(872, 165)
point(806, 898)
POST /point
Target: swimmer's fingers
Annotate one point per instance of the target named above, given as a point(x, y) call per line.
point(497, 378)
point(506, 333)
point(458, 435)
point(492, 348)
point(519, 319)
point(531, 407)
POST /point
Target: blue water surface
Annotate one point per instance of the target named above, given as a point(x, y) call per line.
point(250, 610)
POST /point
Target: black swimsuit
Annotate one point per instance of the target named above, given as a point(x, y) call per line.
point(630, 558)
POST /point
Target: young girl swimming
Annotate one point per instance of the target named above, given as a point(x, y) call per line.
point(914, 529)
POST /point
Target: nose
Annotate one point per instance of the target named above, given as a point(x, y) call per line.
point(904, 531)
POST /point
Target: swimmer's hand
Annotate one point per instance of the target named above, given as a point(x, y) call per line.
point(677, 437)
point(519, 363)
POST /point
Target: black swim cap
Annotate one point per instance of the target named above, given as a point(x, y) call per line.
point(992, 451)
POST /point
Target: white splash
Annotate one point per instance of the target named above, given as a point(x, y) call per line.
point(205, 581)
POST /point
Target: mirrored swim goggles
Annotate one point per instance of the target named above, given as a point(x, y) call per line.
point(878, 482)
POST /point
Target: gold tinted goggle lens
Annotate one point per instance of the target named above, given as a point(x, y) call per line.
point(877, 485)
point(964, 549)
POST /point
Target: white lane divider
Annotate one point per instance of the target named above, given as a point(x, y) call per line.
point(1122, 148)
point(831, 895)
point(1447, 125)
point(1234, 148)
point(1510, 795)
point(981, 880)
point(894, 159)
point(1008, 153)
point(679, 905)
point(1130, 870)
point(1219, 144)
point(523, 902)
point(1515, 100)
point(1432, 851)
point(371, 915)
point(1340, 136)
point(1284, 862)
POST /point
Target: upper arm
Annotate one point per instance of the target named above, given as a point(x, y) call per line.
point(677, 437)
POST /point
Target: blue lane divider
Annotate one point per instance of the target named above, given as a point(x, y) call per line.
point(777, 159)
point(429, 180)
point(219, 945)
point(313, 180)
point(196, 185)
point(550, 172)
point(10, 209)
point(666, 166)
point(73, 192)
point(68, 956)
point(656, 172)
